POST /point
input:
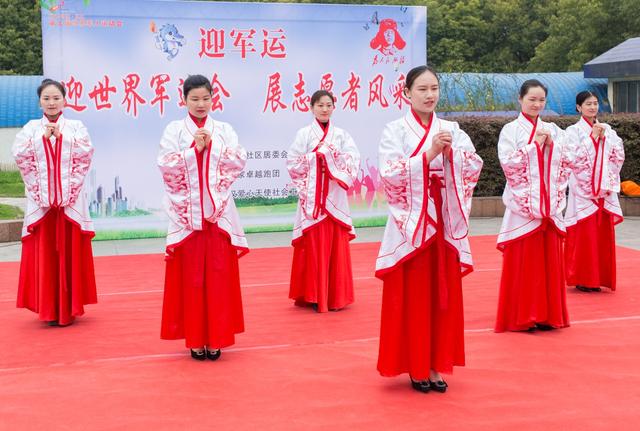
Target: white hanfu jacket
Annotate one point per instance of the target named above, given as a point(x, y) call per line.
point(53, 171)
point(187, 205)
point(596, 173)
point(323, 165)
point(536, 180)
point(406, 176)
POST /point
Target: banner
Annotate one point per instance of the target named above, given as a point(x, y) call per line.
point(123, 64)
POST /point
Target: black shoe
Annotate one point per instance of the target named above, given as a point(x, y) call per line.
point(439, 386)
point(199, 356)
point(421, 385)
point(544, 327)
point(53, 323)
point(214, 354)
point(314, 306)
point(588, 289)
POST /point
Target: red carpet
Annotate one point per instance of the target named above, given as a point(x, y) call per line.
point(295, 369)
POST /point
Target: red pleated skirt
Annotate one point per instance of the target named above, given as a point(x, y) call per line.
point(532, 287)
point(56, 270)
point(202, 299)
point(590, 252)
point(419, 332)
point(321, 270)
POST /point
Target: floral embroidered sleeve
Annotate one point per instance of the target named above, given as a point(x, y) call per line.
point(613, 159)
point(343, 163)
point(33, 171)
point(227, 160)
point(402, 178)
point(521, 170)
point(179, 170)
point(81, 155)
point(461, 174)
point(300, 162)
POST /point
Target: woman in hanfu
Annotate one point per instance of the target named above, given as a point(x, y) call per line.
point(536, 160)
point(593, 209)
point(199, 160)
point(323, 163)
point(54, 154)
point(429, 169)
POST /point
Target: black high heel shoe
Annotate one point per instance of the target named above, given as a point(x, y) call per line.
point(439, 386)
point(544, 327)
point(199, 356)
point(421, 385)
point(214, 354)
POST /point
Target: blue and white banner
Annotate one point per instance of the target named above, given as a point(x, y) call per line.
point(123, 63)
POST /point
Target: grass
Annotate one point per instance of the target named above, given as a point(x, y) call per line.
point(11, 185)
point(108, 235)
point(8, 212)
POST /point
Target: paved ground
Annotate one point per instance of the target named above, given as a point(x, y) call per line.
point(627, 235)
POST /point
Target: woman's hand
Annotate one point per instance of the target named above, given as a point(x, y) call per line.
point(441, 143)
point(203, 139)
point(597, 131)
point(542, 136)
point(52, 129)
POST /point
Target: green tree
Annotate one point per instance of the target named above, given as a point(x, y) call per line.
point(580, 31)
point(21, 36)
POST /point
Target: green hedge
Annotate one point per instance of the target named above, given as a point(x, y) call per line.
point(484, 132)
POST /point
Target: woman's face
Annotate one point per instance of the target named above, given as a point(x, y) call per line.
point(533, 102)
point(389, 36)
point(323, 108)
point(199, 102)
point(589, 107)
point(51, 100)
point(424, 93)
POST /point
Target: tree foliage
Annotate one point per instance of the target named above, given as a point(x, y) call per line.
point(462, 35)
point(21, 36)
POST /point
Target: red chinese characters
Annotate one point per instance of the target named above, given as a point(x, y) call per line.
point(351, 93)
point(274, 94)
point(242, 41)
point(74, 92)
point(217, 91)
point(211, 43)
point(375, 92)
point(397, 91)
point(157, 83)
point(100, 94)
point(272, 45)
point(131, 97)
point(301, 99)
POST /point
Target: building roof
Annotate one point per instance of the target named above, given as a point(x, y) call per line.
point(18, 100)
point(494, 92)
point(621, 61)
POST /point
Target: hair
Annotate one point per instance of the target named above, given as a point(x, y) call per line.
point(47, 82)
point(417, 71)
point(315, 97)
point(193, 82)
point(529, 84)
point(583, 96)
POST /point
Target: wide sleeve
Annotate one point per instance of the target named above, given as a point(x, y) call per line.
point(81, 156)
point(613, 155)
point(32, 165)
point(180, 174)
point(302, 167)
point(462, 171)
point(403, 178)
point(227, 160)
point(343, 163)
point(521, 167)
